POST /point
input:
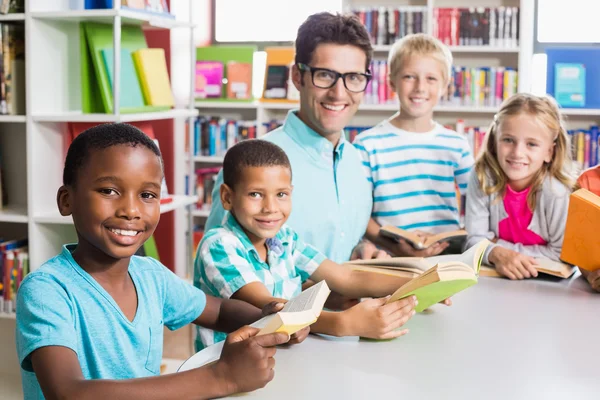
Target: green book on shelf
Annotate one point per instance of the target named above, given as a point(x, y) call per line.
point(96, 90)
point(444, 279)
point(131, 92)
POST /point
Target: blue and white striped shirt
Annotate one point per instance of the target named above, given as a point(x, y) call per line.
point(414, 176)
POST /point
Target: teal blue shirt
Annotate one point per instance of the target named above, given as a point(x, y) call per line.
point(60, 304)
point(332, 198)
point(226, 261)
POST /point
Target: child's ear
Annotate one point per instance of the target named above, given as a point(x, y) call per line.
point(63, 200)
point(550, 154)
point(226, 194)
point(391, 83)
point(297, 77)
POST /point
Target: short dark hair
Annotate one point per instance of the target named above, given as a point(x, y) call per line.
point(252, 153)
point(102, 137)
point(325, 27)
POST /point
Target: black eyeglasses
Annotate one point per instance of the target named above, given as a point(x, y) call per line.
point(324, 78)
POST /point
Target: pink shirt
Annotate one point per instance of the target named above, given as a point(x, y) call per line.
point(514, 228)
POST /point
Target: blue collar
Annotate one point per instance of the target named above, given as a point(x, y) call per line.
point(308, 139)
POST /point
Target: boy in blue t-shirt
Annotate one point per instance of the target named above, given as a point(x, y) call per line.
point(255, 257)
point(90, 320)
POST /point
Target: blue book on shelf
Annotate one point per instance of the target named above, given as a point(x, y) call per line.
point(587, 56)
point(98, 4)
point(131, 92)
point(569, 84)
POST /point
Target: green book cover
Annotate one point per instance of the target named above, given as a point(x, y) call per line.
point(130, 90)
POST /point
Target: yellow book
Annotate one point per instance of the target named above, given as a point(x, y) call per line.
point(298, 313)
point(151, 67)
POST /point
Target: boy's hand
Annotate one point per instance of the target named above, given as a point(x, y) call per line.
point(593, 277)
point(374, 319)
point(513, 265)
point(366, 250)
point(247, 361)
point(405, 249)
point(299, 336)
point(272, 308)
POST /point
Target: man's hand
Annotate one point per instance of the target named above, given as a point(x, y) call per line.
point(247, 361)
point(513, 265)
point(366, 250)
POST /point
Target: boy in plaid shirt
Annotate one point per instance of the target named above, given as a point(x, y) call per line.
point(256, 258)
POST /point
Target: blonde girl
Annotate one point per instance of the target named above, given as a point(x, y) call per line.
point(518, 195)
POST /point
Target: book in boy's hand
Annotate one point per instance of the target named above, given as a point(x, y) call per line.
point(298, 313)
point(545, 266)
point(581, 244)
point(448, 276)
point(419, 242)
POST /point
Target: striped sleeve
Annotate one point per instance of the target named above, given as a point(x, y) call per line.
point(223, 266)
point(364, 155)
point(462, 172)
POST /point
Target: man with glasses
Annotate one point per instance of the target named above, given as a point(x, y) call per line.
point(331, 196)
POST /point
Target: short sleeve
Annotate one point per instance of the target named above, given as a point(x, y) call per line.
point(183, 303)
point(223, 266)
point(44, 317)
point(306, 258)
point(364, 158)
point(463, 171)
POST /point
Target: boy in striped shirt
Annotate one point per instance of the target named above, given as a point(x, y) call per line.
point(413, 163)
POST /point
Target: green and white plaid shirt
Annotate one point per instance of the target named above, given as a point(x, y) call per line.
point(226, 261)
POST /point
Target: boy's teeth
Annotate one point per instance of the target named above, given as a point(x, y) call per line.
point(333, 108)
point(123, 232)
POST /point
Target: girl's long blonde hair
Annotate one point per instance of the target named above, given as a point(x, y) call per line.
point(492, 178)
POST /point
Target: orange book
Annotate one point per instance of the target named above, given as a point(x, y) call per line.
point(581, 245)
point(239, 80)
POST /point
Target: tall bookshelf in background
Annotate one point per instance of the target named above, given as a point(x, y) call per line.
point(32, 145)
point(517, 57)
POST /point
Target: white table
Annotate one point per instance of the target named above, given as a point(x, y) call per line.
point(534, 339)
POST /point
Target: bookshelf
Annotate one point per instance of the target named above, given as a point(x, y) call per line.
point(32, 145)
point(518, 57)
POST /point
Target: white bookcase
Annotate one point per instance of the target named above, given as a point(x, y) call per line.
point(32, 145)
point(369, 114)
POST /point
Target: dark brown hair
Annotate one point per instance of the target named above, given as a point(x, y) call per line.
point(324, 27)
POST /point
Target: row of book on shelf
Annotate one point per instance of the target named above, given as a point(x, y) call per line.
point(12, 68)
point(214, 135)
point(473, 87)
point(474, 26)
point(388, 24)
point(14, 266)
point(477, 26)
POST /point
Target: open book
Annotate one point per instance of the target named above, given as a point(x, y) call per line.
point(418, 242)
point(546, 266)
point(298, 313)
point(448, 276)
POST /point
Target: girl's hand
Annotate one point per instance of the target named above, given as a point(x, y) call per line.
point(513, 265)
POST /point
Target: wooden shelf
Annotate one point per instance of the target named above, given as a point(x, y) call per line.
point(178, 202)
point(204, 213)
point(16, 213)
point(209, 159)
point(78, 116)
point(13, 118)
point(12, 17)
point(128, 17)
point(227, 104)
point(460, 49)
